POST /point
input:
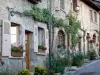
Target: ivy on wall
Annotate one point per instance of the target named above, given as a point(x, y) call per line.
point(43, 15)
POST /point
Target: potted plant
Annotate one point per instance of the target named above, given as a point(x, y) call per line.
point(41, 48)
point(17, 51)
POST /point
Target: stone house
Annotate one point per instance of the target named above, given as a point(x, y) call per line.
point(17, 29)
point(88, 14)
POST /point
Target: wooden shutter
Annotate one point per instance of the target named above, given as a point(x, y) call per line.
point(47, 40)
point(57, 5)
point(6, 38)
point(22, 37)
point(35, 38)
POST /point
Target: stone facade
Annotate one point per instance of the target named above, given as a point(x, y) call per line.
point(87, 25)
point(18, 7)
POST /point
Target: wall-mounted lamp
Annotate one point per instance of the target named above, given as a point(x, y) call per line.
point(77, 8)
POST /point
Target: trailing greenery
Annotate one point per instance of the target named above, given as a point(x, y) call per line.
point(15, 49)
point(43, 15)
point(41, 47)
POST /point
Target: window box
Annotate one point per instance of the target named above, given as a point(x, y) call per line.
point(34, 1)
point(17, 51)
point(17, 54)
point(41, 49)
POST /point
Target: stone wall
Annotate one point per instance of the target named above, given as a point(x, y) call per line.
point(19, 6)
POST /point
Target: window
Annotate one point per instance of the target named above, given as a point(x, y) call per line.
point(41, 36)
point(91, 15)
point(14, 35)
point(74, 4)
point(61, 38)
point(62, 4)
point(95, 16)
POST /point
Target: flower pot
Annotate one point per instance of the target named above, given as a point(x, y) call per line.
point(41, 51)
point(17, 54)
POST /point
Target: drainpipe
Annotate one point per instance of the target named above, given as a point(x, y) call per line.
point(99, 33)
point(50, 34)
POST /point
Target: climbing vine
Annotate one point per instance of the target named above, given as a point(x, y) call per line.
point(43, 15)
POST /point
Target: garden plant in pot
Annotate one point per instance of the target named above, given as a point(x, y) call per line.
point(41, 49)
point(17, 51)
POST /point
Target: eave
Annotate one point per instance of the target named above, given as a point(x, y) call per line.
point(91, 4)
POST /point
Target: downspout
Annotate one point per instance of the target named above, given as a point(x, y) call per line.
point(99, 34)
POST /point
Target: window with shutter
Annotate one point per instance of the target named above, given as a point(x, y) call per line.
point(95, 16)
point(41, 36)
point(91, 15)
point(62, 4)
point(14, 35)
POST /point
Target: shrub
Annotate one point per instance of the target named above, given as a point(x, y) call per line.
point(78, 59)
point(7, 73)
point(24, 72)
point(40, 71)
point(60, 58)
point(91, 54)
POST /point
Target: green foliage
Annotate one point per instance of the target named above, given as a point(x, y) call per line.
point(60, 58)
point(14, 49)
point(61, 46)
point(7, 73)
point(91, 54)
point(40, 71)
point(78, 59)
point(24, 72)
point(41, 47)
point(43, 15)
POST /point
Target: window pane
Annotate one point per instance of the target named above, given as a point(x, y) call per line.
point(13, 39)
point(91, 16)
point(41, 36)
point(62, 4)
point(95, 16)
point(13, 30)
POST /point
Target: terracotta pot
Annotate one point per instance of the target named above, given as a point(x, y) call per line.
point(41, 51)
point(17, 54)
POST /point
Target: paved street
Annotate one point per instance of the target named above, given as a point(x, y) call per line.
point(92, 68)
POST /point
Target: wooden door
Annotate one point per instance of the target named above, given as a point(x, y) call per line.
point(27, 38)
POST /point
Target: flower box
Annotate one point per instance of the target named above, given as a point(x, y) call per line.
point(41, 51)
point(17, 51)
point(17, 54)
